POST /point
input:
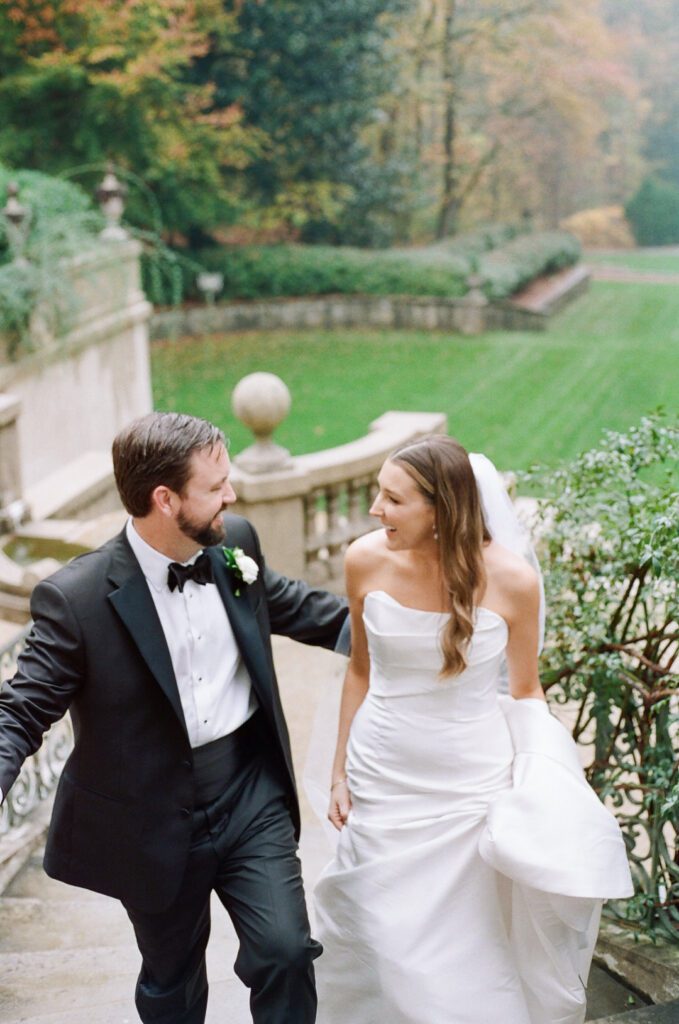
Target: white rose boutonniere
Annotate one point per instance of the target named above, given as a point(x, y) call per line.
point(243, 567)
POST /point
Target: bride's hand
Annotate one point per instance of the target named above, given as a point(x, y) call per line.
point(340, 804)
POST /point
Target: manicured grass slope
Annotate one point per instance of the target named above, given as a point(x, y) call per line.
point(663, 259)
point(522, 398)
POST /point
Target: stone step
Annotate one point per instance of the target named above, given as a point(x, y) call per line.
point(228, 1001)
point(68, 955)
point(72, 487)
point(608, 995)
point(34, 925)
point(668, 1013)
point(98, 983)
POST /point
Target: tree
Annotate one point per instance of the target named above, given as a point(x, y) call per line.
point(85, 80)
point(651, 32)
point(506, 103)
point(653, 212)
point(308, 75)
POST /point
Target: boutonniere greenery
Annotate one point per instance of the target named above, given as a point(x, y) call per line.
point(244, 568)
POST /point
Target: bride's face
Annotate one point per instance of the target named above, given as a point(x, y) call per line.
point(407, 517)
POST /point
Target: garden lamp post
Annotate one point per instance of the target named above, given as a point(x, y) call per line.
point(210, 283)
point(110, 196)
point(17, 218)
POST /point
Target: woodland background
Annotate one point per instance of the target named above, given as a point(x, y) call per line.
point(360, 122)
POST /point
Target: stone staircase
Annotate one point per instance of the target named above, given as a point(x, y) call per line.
point(68, 956)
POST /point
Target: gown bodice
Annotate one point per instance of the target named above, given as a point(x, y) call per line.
point(406, 657)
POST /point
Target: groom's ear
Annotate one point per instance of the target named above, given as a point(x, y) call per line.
point(164, 501)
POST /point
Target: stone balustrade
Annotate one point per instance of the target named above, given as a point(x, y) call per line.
point(308, 513)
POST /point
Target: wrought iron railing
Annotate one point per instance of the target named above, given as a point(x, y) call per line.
point(38, 777)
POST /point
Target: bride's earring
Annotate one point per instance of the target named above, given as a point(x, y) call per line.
point(436, 533)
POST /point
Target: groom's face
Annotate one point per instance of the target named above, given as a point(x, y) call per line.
point(206, 496)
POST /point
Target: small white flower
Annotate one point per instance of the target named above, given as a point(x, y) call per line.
point(244, 567)
point(249, 569)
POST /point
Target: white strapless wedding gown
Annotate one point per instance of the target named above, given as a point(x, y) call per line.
point(467, 885)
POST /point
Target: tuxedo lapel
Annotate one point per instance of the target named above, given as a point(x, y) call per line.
point(244, 625)
point(133, 602)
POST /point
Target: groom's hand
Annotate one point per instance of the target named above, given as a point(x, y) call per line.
point(340, 804)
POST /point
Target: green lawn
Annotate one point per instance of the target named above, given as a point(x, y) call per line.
point(607, 359)
point(664, 259)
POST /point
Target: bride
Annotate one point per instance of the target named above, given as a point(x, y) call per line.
point(472, 857)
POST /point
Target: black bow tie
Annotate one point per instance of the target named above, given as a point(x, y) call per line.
point(199, 571)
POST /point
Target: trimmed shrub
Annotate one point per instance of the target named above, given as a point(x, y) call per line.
point(61, 215)
point(602, 227)
point(509, 268)
point(286, 270)
point(471, 244)
point(654, 213)
point(61, 222)
point(267, 271)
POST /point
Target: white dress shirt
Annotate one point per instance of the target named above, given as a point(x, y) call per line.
point(214, 685)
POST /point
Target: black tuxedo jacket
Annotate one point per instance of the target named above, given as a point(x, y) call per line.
point(122, 812)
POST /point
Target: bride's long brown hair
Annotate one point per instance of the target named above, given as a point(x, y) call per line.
point(440, 467)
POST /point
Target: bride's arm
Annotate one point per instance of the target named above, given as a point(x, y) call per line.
point(353, 691)
point(522, 646)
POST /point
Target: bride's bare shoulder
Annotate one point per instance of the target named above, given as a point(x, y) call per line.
point(510, 573)
point(366, 555)
point(371, 546)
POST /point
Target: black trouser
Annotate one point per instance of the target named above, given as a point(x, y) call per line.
point(243, 847)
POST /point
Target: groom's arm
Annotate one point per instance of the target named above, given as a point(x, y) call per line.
point(297, 610)
point(49, 671)
point(305, 613)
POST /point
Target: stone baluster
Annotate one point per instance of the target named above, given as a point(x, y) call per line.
point(355, 509)
point(315, 530)
point(336, 532)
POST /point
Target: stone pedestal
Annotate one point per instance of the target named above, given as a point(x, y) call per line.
point(11, 489)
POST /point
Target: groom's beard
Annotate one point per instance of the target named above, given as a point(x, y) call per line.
point(205, 534)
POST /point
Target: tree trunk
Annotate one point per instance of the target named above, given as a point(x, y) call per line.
point(449, 208)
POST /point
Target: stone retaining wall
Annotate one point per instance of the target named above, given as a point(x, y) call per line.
point(338, 311)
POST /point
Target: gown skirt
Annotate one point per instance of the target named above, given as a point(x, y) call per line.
point(466, 887)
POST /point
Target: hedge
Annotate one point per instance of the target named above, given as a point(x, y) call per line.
point(440, 269)
point(286, 270)
point(509, 268)
point(252, 272)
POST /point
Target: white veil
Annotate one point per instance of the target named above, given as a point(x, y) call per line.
point(503, 523)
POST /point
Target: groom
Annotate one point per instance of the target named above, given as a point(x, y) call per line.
point(180, 781)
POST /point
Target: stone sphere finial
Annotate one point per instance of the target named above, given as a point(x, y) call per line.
point(261, 401)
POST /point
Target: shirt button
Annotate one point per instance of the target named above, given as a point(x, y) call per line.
point(186, 764)
point(185, 812)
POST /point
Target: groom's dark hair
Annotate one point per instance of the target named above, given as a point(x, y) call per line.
point(155, 450)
